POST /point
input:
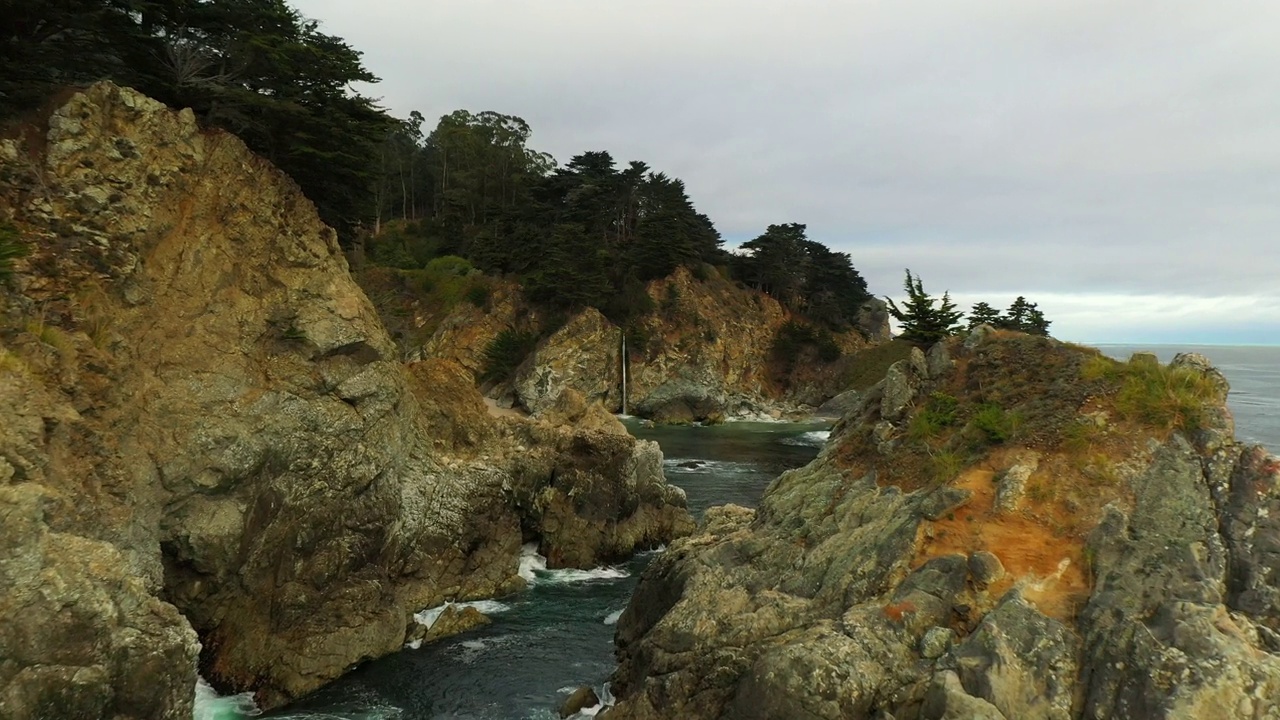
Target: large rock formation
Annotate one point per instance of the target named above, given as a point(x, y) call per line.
point(200, 410)
point(704, 353)
point(1131, 571)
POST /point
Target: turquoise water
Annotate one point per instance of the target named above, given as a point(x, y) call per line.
point(558, 635)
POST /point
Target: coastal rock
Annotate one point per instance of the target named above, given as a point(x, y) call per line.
point(582, 356)
point(870, 584)
point(214, 415)
point(704, 354)
point(1013, 481)
point(580, 699)
point(873, 320)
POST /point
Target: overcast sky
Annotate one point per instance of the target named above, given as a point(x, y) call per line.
point(1116, 161)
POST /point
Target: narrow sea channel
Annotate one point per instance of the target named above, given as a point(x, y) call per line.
point(557, 635)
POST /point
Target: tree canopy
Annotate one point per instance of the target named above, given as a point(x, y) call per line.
point(254, 67)
point(924, 319)
point(805, 275)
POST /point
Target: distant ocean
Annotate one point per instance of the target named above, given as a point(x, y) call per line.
point(1254, 374)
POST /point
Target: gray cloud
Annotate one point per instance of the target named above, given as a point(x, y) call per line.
point(1075, 147)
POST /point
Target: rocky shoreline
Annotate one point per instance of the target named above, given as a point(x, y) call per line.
point(212, 456)
point(997, 530)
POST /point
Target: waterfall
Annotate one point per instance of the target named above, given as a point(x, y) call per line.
point(624, 371)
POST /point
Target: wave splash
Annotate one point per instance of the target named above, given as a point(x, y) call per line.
point(212, 706)
point(533, 568)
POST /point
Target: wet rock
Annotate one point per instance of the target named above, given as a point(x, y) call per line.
point(452, 620)
point(580, 699)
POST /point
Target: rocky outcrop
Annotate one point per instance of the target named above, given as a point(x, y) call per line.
point(206, 427)
point(703, 354)
point(1133, 574)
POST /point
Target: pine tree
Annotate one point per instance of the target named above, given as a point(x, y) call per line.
point(922, 322)
point(982, 313)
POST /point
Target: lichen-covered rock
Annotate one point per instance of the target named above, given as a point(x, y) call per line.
point(583, 356)
point(884, 581)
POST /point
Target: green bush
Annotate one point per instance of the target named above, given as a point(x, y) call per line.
point(11, 248)
point(505, 353)
point(996, 425)
point(478, 295)
point(938, 413)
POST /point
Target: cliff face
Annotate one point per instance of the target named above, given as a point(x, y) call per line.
point(1009, 528)
point(202, 411)
point(704, 353)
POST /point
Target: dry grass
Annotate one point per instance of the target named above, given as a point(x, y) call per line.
point(1155, 394)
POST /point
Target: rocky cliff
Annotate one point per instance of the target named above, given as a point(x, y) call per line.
point(210, 454)
point(1005, 528)
point(703, 353)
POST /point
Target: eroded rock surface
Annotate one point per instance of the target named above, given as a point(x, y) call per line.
point(1134, 575)
point(219, 435)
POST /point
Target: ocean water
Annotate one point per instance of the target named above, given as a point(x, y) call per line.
point(558, 635)
point(1254, 374)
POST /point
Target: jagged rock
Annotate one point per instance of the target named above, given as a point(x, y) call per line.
point(682, 400)
point(1013, 482)
point(840, 405)
point(978, 336)
point(584, 356)
point(81, 637)
point(899, 389)
point(939, 360)
point(571, 409)
point(944, 501)
point(985, 568)
point(240, 438)
point(452, 620)
point(1021, 662)
point(580, 699)
point(836, 598)
point(947, 700)
point(936, 642)
point(873, 320)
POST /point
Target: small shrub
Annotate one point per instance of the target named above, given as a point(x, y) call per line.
point(11, 248)
point(945, 465)
point(938, 413)
point(996, 425)
point(701, 271)
point(478, 295)
point(505, 353)
point(671, 301)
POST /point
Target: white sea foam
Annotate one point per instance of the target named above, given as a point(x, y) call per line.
point(531, 562)
point(698, 466)
point(210, 705)
point(612, 618)
point(574, 575)
point(813, 438)
point(533, 568)
point(429, 616)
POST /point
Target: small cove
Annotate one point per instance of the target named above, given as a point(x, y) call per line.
point(557, 635)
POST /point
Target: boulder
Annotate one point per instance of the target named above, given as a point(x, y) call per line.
point(579, 700)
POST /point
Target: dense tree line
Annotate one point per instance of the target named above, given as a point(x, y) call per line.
point(925, 320)
point(588, 233)
point(254, 67)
